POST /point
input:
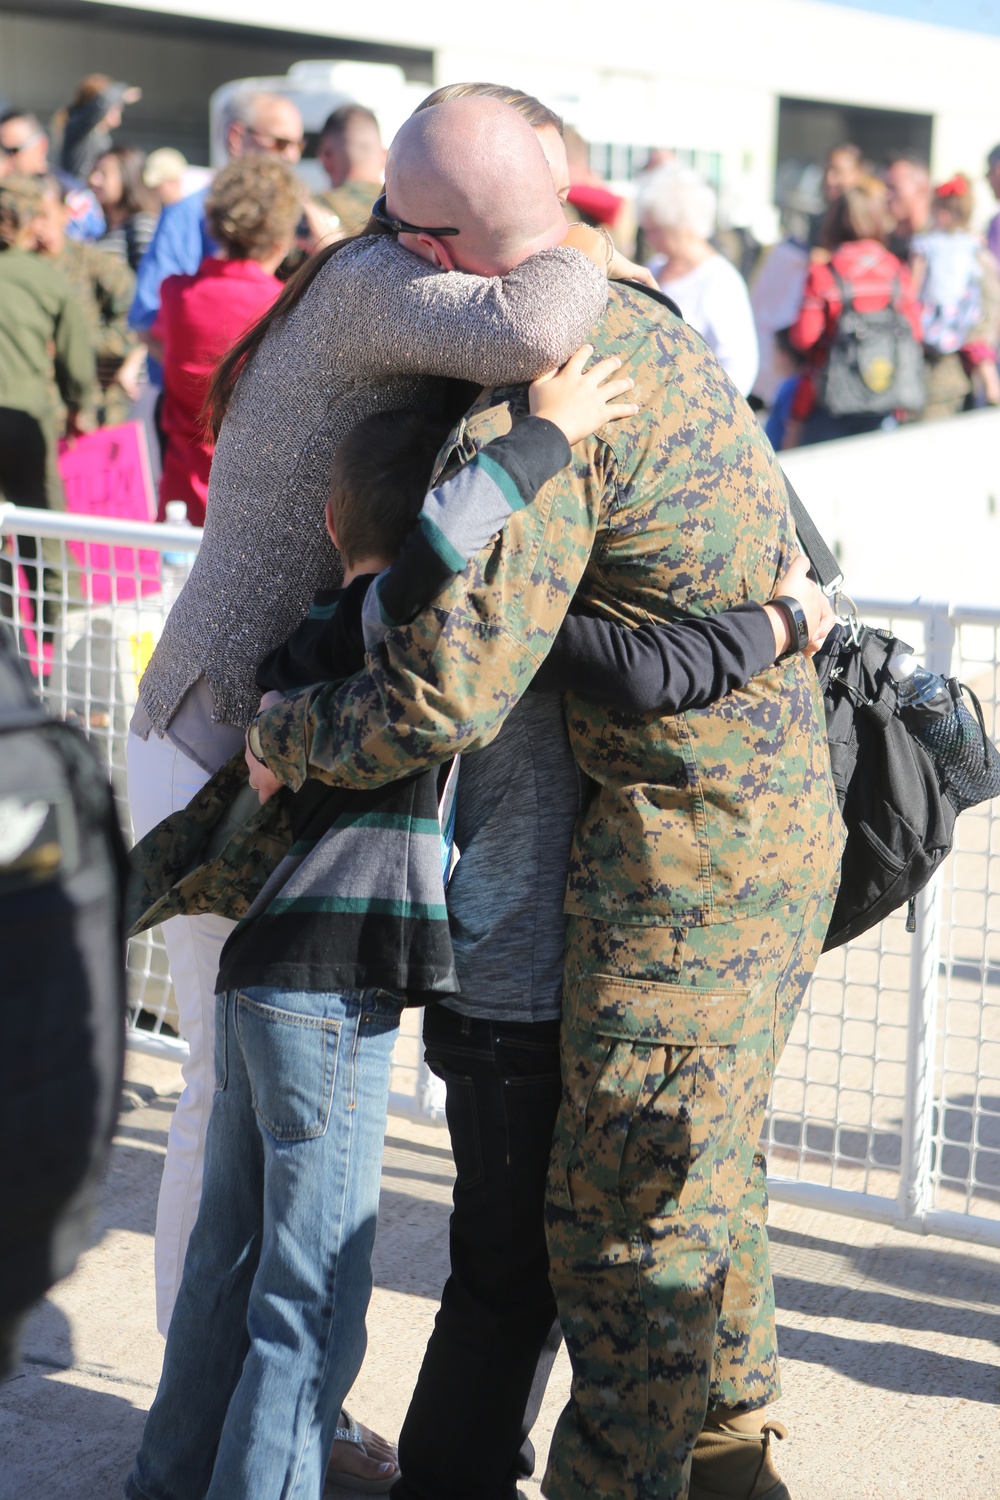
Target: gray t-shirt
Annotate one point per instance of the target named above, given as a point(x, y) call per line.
point(518, 801)
point(193, 730)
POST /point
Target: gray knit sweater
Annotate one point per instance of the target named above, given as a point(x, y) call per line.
point(372, 325)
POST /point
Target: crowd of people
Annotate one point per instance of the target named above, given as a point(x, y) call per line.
point(880, 306)
point(498, 611)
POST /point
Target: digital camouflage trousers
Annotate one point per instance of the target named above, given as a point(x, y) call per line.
point(657, 1202)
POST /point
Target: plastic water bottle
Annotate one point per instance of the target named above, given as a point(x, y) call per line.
point(923, 696)
point(966, 762)
point(175, 566)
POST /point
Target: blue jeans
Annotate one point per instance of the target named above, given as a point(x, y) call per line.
point(268, 1332)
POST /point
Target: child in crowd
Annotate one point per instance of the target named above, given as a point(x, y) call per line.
point(957, 284)
point(268, 1332)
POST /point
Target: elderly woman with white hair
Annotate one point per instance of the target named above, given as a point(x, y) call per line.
point(678, 210)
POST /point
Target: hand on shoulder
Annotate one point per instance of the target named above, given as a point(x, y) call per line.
point(578, 400)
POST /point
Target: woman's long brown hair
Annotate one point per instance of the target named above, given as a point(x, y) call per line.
point(232, 364)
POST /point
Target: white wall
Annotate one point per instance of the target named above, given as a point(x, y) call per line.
point(913, 513)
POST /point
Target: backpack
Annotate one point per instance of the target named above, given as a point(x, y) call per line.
point(62, 1022)
point(899, 791)
point(874, 363)
point(951, 291)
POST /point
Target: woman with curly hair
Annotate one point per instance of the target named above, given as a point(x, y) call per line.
point(252, 210)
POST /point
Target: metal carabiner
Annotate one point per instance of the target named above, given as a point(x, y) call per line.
point(846, 611)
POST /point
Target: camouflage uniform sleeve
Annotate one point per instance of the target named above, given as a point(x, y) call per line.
point(74, 358)
point(114, 289)
point(447, 681)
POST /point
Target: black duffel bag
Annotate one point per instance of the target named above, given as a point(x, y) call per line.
point(900, 823)
point(900, 787)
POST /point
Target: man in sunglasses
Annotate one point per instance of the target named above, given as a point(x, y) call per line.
point(254, 124)
point(24, 146)
point(24, 152)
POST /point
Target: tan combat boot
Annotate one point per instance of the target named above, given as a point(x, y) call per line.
point(732, 1458)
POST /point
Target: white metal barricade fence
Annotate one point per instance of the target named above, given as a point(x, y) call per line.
point(89, 597)
point(887, 1100)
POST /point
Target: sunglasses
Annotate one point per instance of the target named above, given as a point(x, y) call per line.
point(32, 140)
point(276, 143)
point(400, 226)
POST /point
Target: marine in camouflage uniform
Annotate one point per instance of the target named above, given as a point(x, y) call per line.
point(104, 287)
point(351, 202)
point(700, 888)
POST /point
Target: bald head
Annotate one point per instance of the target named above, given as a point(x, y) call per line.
point(475, 165)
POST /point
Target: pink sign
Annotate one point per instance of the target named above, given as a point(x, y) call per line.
point(107, 473)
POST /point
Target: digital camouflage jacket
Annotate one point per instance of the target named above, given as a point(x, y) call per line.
point(352, 203)
point(707, 816)
point(103, 286)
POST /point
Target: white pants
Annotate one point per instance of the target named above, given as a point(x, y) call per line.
point(161, 780)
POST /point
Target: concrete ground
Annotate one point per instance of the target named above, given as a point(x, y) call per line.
point(890, 1343)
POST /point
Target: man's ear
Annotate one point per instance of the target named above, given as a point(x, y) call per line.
point(436, 251)
point(235, 138)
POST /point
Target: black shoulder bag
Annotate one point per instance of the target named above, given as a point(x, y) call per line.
point(900, 787)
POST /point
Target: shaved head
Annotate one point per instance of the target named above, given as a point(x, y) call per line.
point(475, 165)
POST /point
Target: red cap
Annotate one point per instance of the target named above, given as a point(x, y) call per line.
point(595, 201)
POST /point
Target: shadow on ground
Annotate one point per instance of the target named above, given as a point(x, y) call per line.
point(40, 1412)
point(892, 1366)
point(893, 1291)
point(411, 1247)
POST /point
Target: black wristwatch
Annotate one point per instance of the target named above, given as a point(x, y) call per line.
point(253, 740)
point(798, 625)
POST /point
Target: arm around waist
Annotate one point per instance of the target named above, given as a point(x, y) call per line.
point(658, 669)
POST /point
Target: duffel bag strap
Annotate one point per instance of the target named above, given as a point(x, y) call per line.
point(875, 656)
point(826, 567)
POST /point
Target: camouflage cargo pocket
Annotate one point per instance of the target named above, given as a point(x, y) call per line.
point(648, 1073)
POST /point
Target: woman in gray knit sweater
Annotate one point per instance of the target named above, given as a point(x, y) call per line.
point(362, 330)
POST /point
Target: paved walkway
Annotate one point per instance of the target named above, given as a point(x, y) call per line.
point(890, 1343)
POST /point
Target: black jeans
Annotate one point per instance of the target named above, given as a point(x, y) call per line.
point(466, 1434)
